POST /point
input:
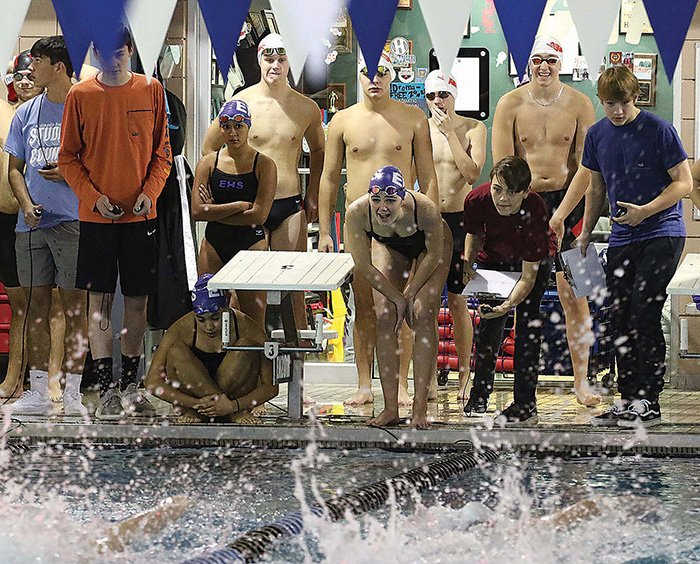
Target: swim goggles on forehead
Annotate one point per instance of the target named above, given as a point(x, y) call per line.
point(388, 190)
point(382, 71)
point(442, 94)
point(551, 61)
point(270, 51)
point(224, 119)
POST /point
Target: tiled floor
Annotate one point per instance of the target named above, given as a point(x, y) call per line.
point(557, 406)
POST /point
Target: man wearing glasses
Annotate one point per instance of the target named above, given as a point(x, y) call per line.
point(545, 122)
point(459, 152)
point(373, 133)
point(282, 118)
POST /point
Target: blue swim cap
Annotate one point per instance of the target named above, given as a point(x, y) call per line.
point(235, 111)
point(388, 179)
point(205, 300)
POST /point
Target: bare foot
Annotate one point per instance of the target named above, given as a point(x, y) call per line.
point(384, 419)
point(190, 416)
point(10, 389)
point(244, 418)
point(419, 422)
point(404, 399)
point(55, 392)
point(432, 389)
point(360, 397)
point(463, 383)
point(258, 411)
point(585, 395)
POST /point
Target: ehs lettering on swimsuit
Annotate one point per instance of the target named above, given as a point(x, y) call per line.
point(230, 184)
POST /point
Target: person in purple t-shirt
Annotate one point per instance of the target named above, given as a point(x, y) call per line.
point(507, 230)
point(639, 160)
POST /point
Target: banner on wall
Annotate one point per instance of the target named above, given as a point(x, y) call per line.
point(371, 21)
point(519, 21)
point(220, 18)
point(446, 21)
point(670, 21)
point(149, 22)
point(593, 33)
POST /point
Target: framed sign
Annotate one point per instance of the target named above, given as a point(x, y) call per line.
point(628, 15)
point(471, 71)
point(270, 21)
point(341, 33)
point(644, 68)
point(405, 4)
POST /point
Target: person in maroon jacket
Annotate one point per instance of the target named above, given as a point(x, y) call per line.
point(507, 230)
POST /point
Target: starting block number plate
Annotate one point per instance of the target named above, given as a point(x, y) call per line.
point(282, 369)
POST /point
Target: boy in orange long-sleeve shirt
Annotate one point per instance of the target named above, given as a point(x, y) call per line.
point(115, 155)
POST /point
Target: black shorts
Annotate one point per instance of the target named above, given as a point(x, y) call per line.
point(553, 201)
point(455, 221)
point(282, 209)
point(108, 249)
point(8, 257)
point(227, 240)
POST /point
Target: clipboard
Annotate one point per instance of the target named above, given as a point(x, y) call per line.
point(492, 284)
point(584, 274)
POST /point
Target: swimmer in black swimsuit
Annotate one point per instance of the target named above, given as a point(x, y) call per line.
point(191, 371)
point(387, 233)
point(235, 189)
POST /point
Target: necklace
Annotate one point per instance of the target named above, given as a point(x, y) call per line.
point(536, 101)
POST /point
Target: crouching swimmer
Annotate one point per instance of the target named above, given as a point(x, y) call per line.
point(191, 371)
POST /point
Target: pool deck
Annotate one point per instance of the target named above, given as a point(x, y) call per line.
point(563, 428)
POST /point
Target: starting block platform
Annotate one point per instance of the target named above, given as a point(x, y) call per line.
point(279, 273)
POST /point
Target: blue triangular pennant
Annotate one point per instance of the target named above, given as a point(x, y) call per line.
point(670, 22)
point(78, 36)
point(224, 20)
point(519, 21)
point(105, 18)
point(371, 20)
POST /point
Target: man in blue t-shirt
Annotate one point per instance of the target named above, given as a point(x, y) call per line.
point(47, 229)
point(639, 159)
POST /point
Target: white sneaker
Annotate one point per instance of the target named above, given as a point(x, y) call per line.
point(73, 405)
point(31, 403)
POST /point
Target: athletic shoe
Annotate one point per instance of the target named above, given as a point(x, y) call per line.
point(515, 414)
point(475, 405)
point(135, 402)
point(31, 403)
point(73, 405)
point(110, 407)
point(611, 416)
point(642, 411)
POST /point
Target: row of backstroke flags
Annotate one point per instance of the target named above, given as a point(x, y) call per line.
point(305, 23)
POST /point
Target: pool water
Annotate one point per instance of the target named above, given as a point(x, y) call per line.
point(54, 503)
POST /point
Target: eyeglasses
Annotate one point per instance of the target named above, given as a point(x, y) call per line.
point(442, 94)
point(382, 71)
point(388, 190)
point(551, 61)
point(224, 119)
point(19, 76)
point(270, 51)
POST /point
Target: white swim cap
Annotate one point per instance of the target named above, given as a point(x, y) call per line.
point(384, 61)
point(547, 45)
point(435, 82)
point(273, 41)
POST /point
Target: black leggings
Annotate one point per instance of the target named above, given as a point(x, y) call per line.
point(528, 342)
point(637, 277)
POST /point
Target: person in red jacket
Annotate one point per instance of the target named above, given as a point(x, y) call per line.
point(507, 230)
point(115, 155)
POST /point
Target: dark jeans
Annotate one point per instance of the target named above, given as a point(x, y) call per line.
point(528, 342)
point(637, 277)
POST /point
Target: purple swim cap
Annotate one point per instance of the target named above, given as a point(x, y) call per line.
point(235, 111)
point(205, 300)
point(388, 179)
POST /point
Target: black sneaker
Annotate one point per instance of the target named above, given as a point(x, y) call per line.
point(642, 412)
point(611, 416)
point(476, 406)
point(515, 414)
